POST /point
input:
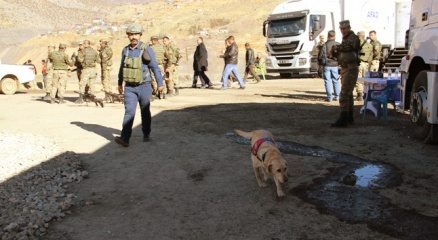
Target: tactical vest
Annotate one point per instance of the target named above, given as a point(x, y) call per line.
point(90, 57)
point(133, 71)
point(159, 53)
point(58, 59)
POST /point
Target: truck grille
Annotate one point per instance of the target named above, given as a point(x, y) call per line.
point(289, 47)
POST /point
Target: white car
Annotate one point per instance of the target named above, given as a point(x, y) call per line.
point(11, 76)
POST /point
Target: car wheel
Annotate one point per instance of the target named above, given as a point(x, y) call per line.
point(8, 86)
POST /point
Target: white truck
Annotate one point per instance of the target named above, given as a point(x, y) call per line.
point(419, 70)
point(11, 76)
point(293, 29)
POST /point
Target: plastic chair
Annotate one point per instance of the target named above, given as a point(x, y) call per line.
point(382, 98)
point(260, 68)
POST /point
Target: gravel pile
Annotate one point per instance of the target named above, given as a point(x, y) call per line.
point(32, 199)
point(21, 151)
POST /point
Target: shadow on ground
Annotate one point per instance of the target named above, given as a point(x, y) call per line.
point(192, 182)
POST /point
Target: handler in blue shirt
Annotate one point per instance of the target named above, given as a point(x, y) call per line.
point(138, 61)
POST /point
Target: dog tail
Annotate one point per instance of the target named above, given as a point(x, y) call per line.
point(247, 135)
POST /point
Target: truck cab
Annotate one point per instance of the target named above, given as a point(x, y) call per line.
point(419, 68)
point(292, 35)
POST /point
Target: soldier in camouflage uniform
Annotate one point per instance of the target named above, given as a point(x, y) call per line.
point(161, 60)
point(106, 54)
point(49, 76)
point(78, 65)
point(88, 58)
point(61, 62)
point(377, 52)
point(171, 68)
point(347, 53)
point(365, 57)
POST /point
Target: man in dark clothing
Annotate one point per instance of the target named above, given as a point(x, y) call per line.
point(138, 61)
point(200, 64)
point(347, 53)
point(330, 69)
point(231, 60)
point(250, 65)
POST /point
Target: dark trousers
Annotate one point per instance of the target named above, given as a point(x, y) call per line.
point(250, 70)
point(133, 95)
point(203, 77)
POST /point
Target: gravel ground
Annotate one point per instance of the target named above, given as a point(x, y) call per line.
point(32, 199)
point(21, 151)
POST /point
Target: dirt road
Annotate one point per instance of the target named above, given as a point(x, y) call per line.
point(195, 181)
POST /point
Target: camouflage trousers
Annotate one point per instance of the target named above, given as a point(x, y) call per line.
point(88, 77)
point(154, 80)
point(349, 75)
point(47, 80)
point(59, 83)
point(375, 64)
point(171, 78)
point(106, 82)
point(363, 67)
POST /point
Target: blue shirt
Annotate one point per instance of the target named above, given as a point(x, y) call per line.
point(149, 63)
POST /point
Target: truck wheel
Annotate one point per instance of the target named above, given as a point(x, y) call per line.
point(422, 129)
point(8, 86)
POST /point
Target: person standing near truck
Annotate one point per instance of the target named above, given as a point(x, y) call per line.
point(377, 51)
point(347, 53)
point(330, 71)
point(250, 63)
point(365, 57)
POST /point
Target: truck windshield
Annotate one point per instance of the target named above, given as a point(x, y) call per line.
point(287, 27)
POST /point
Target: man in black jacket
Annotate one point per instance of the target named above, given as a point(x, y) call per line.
point(200, 65)
point(330, 68)
point(231, 59)
point(250, 59)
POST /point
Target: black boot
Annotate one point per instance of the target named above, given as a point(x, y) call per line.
point(350, 118)
point(342, 121)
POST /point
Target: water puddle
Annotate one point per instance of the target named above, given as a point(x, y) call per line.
point(350, 193)
point(365, 176)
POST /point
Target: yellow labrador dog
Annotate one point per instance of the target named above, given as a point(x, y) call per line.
point(266, 159)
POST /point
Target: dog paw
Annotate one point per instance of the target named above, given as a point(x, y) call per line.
point(281, 194)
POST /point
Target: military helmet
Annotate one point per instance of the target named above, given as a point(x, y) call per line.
point(134, 28)
point(62, 46)
point(154, 37)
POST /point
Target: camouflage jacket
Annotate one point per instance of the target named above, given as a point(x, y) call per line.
point(88, 57)
point(172, 54)
point(106, 55)
point(366, 52)
point(348, 49)
point(60, 60)
point(377, 50)
point(159, 53)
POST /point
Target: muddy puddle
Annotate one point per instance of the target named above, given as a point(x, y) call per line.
point(350, 192)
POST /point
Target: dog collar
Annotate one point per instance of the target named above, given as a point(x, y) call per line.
point(258, 143)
